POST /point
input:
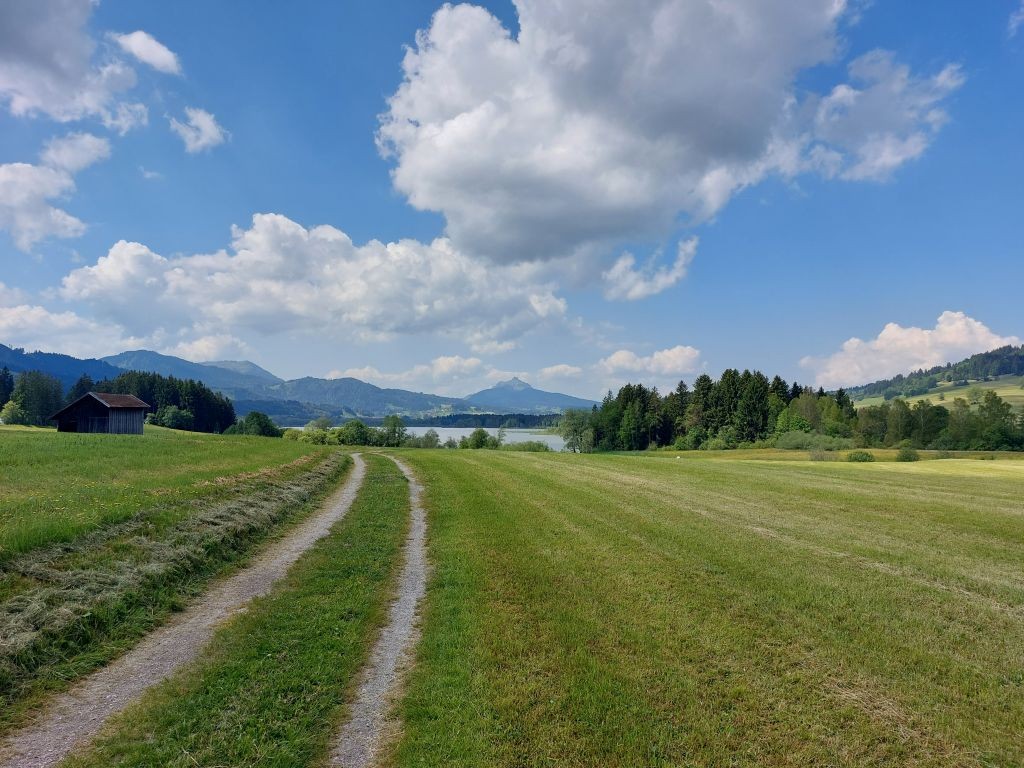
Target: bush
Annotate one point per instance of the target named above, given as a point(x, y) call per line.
point(817, 454)
point(255, 423)
point(12, 413)
point(173, 417)
point(860, 456)
point(809, 441)
point(908, 454)
point(530, 446)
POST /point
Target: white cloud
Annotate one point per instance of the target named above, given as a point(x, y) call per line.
point(200, 132)
point(1016, 20)
point(625, 283)
point(887, 118)
point(219, 346)
point(440, 374)
point(46, 62)
point(898, 349)
point(125, 117)
point(604, 121)
point(25, 211)
point(560, 371)
point(27, 191)
point(75, 151)
point(35, 327)
point(150, 175)
point(11, 296)
point(279, 276)
point(147, 49)
point(673, 362)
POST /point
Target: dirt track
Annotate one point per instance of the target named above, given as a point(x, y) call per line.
point(74, 717)
point(358, 742)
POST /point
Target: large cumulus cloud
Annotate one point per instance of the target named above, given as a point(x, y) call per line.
point(604, 121)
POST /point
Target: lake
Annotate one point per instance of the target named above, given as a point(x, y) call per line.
point(554, 442)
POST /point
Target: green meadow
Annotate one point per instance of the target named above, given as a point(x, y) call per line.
point(59, 486)
point(735, 608)
point(643, 611)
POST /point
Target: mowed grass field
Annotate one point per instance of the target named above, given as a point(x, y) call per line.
point(56, 486)
point(103, 536)
point(1010, 388)
point(645, 611)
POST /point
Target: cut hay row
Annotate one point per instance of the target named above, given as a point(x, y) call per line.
point(69, 607)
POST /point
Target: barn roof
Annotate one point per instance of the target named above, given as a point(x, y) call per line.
point(119, 401)
point(109, 400)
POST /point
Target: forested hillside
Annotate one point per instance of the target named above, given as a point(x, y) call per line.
point(999, 362)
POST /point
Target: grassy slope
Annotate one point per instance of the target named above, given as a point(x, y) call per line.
point(627, 610)
point(1010, 388)
point(58, 486)
point(272, 690)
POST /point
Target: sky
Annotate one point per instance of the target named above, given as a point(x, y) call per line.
point(578, 192)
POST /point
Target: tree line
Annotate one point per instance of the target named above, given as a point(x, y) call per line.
point(749, 410)
point(393, 433)
point(32, 397)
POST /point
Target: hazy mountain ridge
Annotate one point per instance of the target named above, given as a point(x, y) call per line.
point(66, 368)
point(292, 401)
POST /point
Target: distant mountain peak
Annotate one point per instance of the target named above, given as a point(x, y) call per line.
point(515, 383)
point(516, 396)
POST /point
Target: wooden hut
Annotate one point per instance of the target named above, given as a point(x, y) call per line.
point(102, 412)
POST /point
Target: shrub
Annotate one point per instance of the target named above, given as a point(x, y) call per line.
point(12, 413)
point(860, 456)
point(817, 454)
point(908, 454)
point(173, 417)
point(530, 446)
point(808, 441)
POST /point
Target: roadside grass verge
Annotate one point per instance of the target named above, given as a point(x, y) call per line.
point(272, 689)
point(57, 486)
point(68, 608)
point(631, 611)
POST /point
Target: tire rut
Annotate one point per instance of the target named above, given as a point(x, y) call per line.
point(358, 743)
point(74, 717)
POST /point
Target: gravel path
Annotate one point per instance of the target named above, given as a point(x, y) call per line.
point(357, 744)
point(74, 717)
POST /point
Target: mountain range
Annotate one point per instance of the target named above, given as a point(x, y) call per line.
point(297, 401)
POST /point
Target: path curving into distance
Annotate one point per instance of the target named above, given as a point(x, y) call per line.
point(74, 717)
point(361, 736)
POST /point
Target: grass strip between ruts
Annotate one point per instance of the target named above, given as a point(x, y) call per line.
point(271, 690)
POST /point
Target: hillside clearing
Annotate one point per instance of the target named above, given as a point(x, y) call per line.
point(1009, 388)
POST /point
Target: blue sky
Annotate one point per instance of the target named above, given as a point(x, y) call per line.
point(644, 192)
